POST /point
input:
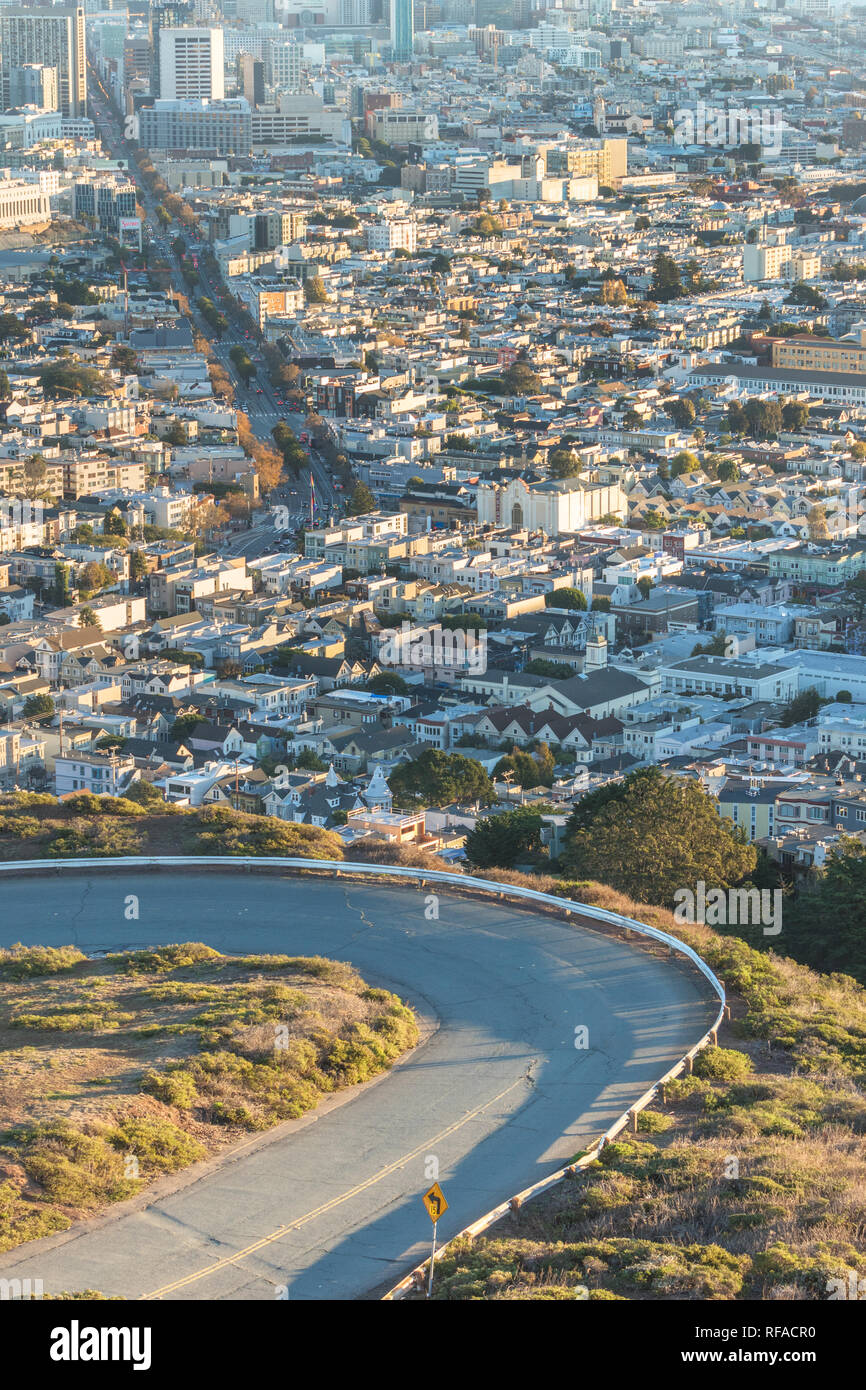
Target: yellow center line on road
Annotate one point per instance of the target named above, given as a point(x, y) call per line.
point(328, 1206)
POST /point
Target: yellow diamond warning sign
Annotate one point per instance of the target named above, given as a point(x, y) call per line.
point(434, 1201)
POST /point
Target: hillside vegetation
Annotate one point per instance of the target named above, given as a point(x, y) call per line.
point(36, 826)
point(116, 1071)
point(747, 1182)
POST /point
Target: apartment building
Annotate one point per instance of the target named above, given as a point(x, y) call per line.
point(403, 126)
point(846, 354)
point(191, 64)
point(50, 35)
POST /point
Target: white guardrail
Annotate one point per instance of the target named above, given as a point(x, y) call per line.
point(339, 868)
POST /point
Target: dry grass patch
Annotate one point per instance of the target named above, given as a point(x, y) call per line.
point(748, 1181)
point(118, 1070)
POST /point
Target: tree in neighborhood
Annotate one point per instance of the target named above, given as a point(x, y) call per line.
point(728, 471)
point(527, 770)
point(795, 415)
point(816, 521)
point(802, 707)
point(654, 835)
point(681, 411)
point(437, 779)
point(95, 576)
point(124, 359)
point(361, 501)
point(566, 598)
point(314, 290)
point(501, 841)
point(666, 280)
point(564, 463)
point(387, 683)
point(825, 927)
point(684, 462)
point(521, 380)
point(34, 476)
point(552, 670)
point(38, 705)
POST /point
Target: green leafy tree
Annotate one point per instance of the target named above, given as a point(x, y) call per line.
point(361, 501)
point(437, 779)
point(681, 411)
point(124, 359)
point(528, 769)
point(38, 705)
point(826, 926)
point(387, 683)
point(314, 290)
point(564, 463)
point(566, 598)
point(521, 380)
point(184, 725)
point(717, 646)
point(666, 280)
point(658, 834)
point(501, 841)
point(553, 670)
point(684, 462)
point(795, 415)
point(802, 707)
point(728, 471)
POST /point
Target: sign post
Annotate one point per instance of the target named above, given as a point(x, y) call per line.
point(436, 1205)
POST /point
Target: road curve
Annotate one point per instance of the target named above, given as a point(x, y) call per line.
point(499, 1095)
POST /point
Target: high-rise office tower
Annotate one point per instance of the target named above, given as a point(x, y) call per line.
point(284, 65)
point(54, 37)
point(402, 29)
point(252, 79)
point(34, 84)
point(191, 65)
point(173, 15)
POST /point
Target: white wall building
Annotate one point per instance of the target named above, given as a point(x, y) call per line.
point(191, 65)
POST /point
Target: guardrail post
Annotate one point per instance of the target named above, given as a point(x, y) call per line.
point(690, 1062)
point(634, 1122)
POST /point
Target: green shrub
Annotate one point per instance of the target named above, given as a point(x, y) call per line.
point(175, 1087)
point(74, 1168)
point(164, 958)
point(159, 1146)
point(22, 1220)
point(80, 1020)
point(21, 827)
point(722, 1064)
point(653, 1122)
point(94, 840)
point(23, 962)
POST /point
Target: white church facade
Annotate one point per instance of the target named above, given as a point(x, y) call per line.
point(558, 506)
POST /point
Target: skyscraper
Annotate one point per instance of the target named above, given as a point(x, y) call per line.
point(191, 65)
point(402, 29)
point(173, 15)
point(252, 73)
point(51, 36)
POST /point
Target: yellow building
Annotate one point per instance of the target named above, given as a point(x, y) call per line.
point(823, 354)
point(607, 161)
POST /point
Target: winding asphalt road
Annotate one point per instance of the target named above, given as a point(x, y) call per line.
point(329, 1207)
